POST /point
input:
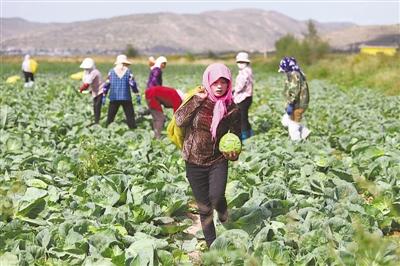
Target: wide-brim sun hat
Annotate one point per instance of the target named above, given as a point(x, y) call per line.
point(122, 59)
point(87, 63)
point(161, 59)
point(242, 57)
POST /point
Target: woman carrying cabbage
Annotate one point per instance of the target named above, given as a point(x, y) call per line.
point(206, 118)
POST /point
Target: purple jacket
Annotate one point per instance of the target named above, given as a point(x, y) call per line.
point(155, 77)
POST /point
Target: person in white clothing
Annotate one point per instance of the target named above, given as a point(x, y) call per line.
point(243, 92)
point(28, 69)
point(92, 78)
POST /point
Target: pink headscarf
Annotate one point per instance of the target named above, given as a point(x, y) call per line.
point(212, 73)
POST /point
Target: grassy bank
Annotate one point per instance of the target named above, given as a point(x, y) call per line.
point(350, 71)
point(376, 72)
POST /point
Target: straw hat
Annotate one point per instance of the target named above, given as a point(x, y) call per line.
point(161, 59)
point(242, 57)
point(87, 63)
point(122, 59)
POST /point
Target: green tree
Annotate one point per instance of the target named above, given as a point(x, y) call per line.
point(212, 55)
point(312, 33)
point(288, 45)
point(189, 57)
point(314, 47)
point(131, 51)
point(307, 51)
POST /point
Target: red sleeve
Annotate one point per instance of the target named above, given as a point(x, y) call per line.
point(84, 86)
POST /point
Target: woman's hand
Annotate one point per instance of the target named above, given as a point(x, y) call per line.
point(202, 94)
point(231, 156)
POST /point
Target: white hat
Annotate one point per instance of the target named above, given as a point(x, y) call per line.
point(122, 59)
point(242, 57)
point(87, 63)
point(161, 59)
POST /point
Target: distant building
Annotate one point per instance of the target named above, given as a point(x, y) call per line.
point(374, 50)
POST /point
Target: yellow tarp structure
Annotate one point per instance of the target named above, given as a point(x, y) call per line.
point(13, 79)
point(33, 65)
point(374, 50)
point(177, 134)
point(77, 76)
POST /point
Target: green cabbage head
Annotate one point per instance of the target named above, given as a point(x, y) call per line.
point(230, 143)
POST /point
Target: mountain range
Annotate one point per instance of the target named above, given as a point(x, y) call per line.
point(252, 30)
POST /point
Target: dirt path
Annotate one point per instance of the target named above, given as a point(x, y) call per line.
point(195, 256)
point(196, 226)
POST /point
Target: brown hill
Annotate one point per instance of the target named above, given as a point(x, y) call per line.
point(241, 29)
point(353, 37)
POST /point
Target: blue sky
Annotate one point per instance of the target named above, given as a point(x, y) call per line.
point(362, 12)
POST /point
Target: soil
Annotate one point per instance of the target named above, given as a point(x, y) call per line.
point(195, 256)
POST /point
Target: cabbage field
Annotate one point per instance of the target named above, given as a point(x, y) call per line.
point(73, 193)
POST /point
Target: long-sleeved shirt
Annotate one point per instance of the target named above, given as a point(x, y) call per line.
point(196, 116)
point(158, 95)
point(296, 90)
point(119, 87)
point(93, 78)
point(243, 85)
point(155, 77)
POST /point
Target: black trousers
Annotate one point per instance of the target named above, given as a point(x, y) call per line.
point(208, 185)
point(28, 76)
point(97, 108)
point(244, 107)
point(128, 110)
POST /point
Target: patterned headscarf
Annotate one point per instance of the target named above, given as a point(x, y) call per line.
point(212, 73)
point(289, 64)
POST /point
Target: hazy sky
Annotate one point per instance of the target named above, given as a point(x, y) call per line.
point(362, 12)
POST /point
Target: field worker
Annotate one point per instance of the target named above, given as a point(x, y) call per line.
point(29, 67)
point(92, 79)
point(155, 76)
point(297, 98)
point(243, 92)
point(119, 83)
point(157, 97)
point(151, 61)
point(206, 117)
